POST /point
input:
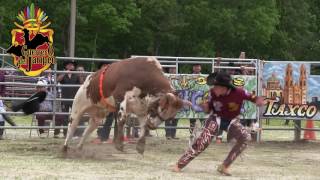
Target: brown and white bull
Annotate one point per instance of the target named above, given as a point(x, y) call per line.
point(135, 85)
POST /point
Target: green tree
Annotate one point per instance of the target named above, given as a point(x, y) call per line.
point(295, 33)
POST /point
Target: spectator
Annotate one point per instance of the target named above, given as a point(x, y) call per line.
point(196, 69)
point(3, 118)
point(243, 69)
point(82, 77)
point(217, 64)
point(104, 132)
point(242, 55)
point(2, 86)
point(172, 70)
point(233, 71)
point(68, 92)
point(69, 78)
point(50, 79)
point(47, 106)
point(172, 123)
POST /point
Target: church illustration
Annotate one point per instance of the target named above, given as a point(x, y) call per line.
point(290, 92)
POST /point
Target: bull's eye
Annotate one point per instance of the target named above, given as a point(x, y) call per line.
point(153, 115)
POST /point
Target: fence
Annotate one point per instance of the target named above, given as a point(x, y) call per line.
point(254, 68)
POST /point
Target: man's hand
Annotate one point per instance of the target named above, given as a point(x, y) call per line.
point(260, 101)
point(205, 106)
point(60, 77)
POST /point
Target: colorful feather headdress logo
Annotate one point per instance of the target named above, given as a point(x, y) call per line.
point(32, 18)
point(32, 42)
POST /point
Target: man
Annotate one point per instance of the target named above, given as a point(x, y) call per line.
point(69, 78)
point(47, 106)
point(82, 77)
point(3, 118)
point(172, 123)
point(224, 104)
point(196, 69)
point(68, 92)
point(2, 87)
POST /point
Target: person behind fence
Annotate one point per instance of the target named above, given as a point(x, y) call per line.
point(68, 92)
point(170, 125)
point(3, 118)
point(47, 106)
point(224, 108)
point(2, 86)
point(196, 69)
point(104, 132)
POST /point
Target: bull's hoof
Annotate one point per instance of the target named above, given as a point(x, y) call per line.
point(140, 149)
point(65, 149)
point(80, 147)
point(119, 146)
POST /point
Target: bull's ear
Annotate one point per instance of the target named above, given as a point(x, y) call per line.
point(175, 101)
point(176, 93)
point(166, 100)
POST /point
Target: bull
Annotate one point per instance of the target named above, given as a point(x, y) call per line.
point(131, 86)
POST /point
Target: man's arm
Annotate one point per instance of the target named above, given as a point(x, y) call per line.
point(207, 105)
point(258, 100)
point(60, 78)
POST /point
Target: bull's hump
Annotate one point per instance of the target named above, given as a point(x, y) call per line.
point(151, 60)
point(155, 62)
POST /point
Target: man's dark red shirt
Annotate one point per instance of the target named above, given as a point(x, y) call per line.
point(228, 106)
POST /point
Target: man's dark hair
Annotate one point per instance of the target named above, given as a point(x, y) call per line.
point(231, 64)
point(211, 78)
point(103, 63)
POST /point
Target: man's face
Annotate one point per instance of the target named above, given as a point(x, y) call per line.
point(220, 90)
point(196, 69)
point(231, 71)
point(41, 88)
point(70, 67)
point(80, 68)
point(172, 70)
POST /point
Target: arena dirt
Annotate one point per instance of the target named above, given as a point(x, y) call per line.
point(42, 159)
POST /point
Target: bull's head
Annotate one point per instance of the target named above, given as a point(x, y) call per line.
point(163, 108)
point(152, 110)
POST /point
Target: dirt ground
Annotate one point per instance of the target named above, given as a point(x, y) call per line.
point(34, 158)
